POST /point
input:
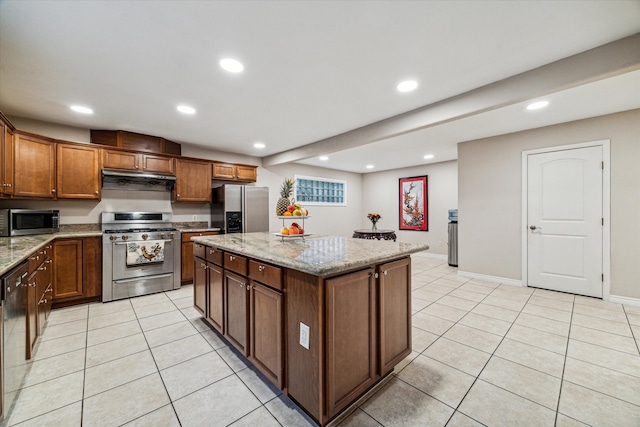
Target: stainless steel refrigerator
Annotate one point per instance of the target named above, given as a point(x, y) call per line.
point(240, 208)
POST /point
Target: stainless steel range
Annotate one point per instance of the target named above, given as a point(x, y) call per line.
point(141, 254)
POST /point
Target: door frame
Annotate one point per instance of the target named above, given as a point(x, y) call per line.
point(606, 208)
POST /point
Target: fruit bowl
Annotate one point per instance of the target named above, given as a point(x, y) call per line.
point(293, 217)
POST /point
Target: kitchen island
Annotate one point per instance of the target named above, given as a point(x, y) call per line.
point(325, 318)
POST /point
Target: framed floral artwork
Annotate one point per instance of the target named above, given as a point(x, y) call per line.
point(413, 204)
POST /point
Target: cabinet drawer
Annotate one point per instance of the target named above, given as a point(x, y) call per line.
point(199, 250)
point(35, 260)
point(214, 255)
point(266, 274)
point(186, 237)
point(235, 263)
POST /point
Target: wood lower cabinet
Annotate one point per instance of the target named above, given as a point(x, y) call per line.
point(350, 339)
point(186, 255)
point(266, 316)
point(236, 310)
point(34, 167)
point(215, 297)
point(394, 308)
point(78, 172)
point(200, 286)
point(77, 271)
point(193, 181)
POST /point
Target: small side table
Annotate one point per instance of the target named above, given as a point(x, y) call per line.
point(378, 234)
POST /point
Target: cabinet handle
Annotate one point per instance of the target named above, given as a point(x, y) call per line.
point(261, 268)
point(53, 191)
point(8, 185)
point(136, 167)
point(248, 287)
point(376, 275)
point(96, 192)
point(384, 272)
point(231, 257)
point(212, 251)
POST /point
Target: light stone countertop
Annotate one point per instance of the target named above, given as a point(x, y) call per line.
point(316, 254)
point(14, 250)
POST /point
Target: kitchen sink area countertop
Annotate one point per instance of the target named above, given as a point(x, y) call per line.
point(318, 255)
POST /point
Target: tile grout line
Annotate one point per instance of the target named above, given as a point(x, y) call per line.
point(564, 364)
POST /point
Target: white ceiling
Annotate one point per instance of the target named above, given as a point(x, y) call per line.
point(313, 69)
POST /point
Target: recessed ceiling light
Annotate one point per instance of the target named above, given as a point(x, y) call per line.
point(428, 156)
point(537, 105)
point(81, 109)
point(231, 65)
point(186, 109)
point(259, 145)
point(369, 166)
point(407, 86)
point(324, 158)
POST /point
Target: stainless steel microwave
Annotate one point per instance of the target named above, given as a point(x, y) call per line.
point(22, 222)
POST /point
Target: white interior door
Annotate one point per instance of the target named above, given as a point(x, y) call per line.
point(564, 212)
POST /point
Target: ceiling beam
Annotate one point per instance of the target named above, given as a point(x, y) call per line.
point(612, 59)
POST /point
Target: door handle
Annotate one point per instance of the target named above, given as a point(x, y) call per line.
point(533, 228)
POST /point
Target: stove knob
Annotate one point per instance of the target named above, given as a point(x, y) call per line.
point(112, 238)
point(125, 237)
point(144, 237)
point(172, 234)
point(162, 235)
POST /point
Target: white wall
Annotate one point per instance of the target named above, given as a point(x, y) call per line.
point(381, 194)
point(490, 176)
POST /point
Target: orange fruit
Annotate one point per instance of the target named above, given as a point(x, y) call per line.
point(284, 231)
point(287, 214)
point(293, 230)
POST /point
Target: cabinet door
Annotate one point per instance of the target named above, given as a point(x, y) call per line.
point(193, 181)
point(112, 159)
point(6, 161)
point(350, 338)
point(32, 313)
point(394, 306)
point(200, 286)
point(266, 329)
point(92, 267)
point(34, 161)
point(186, 262)
point(159, 164)
point(78, 172)
point(246, 173)
point(236, 309)
point(224, 171)
point(215, 291)
point(67, 268)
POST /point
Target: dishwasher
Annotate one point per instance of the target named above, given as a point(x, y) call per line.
point(13, 354)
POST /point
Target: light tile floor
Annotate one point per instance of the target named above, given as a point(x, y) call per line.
point(483, 354)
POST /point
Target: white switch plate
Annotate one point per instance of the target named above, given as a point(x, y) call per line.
point(304, 335)
point(195, 217)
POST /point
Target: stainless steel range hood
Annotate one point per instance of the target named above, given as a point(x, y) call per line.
point(118, 180)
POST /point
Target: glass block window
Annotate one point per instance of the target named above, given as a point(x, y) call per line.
point(320, 191)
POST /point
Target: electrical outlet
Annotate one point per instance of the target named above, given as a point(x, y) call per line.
point(195, 217)
point(304, 335)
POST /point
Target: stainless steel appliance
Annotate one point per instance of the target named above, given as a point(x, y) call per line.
point(119, 180)
point(240, 208)
point(14, 336)
point(22, 222)
point(155, 247)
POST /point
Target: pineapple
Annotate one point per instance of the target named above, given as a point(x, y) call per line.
point(285, 194)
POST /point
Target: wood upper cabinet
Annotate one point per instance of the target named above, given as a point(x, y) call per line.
point(236, 311)
point(34, 163)
point(137, 162)
point(231, 172)
point(6, 159)
point(193, 181)
point(135, 141)
point(394, 331)
point(78, 172)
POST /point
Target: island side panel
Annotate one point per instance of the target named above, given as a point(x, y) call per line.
point(303, 304)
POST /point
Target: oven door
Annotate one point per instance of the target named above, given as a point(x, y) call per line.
point(122, 271)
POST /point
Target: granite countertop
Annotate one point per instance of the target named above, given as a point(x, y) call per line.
point(318, 255)
point(14, 250)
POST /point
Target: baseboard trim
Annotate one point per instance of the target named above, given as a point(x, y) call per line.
point(625, 300)
point(492, 279)
point(430, 255)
